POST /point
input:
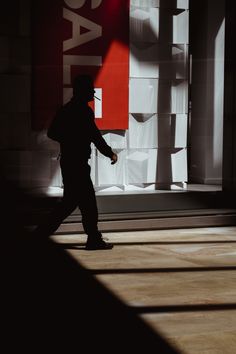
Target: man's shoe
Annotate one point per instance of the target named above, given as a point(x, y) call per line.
point(98, 245)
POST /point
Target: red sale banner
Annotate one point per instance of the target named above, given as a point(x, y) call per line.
point(74, 37)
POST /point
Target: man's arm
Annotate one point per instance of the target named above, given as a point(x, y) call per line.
point(101, 144)
point(114, 158)
point(55, 129)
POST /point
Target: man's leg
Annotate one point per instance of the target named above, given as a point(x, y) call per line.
point(89, 212)
point(51, 223)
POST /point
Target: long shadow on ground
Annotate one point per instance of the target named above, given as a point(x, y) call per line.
point(52, 304)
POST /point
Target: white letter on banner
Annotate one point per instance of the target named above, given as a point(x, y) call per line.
point(69, 60)
point(96, 3)
point(77, 38)
point(98, 103)
point(76, 4)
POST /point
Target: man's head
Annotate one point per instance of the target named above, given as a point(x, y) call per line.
point(83, 88)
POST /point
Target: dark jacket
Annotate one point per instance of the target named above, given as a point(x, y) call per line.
point(75, 129)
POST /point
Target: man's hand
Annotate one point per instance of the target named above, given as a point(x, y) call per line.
point(114, 159)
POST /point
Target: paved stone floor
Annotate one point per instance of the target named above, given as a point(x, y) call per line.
point(181, 282)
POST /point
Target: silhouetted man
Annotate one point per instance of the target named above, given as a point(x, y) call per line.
point(75, 129)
